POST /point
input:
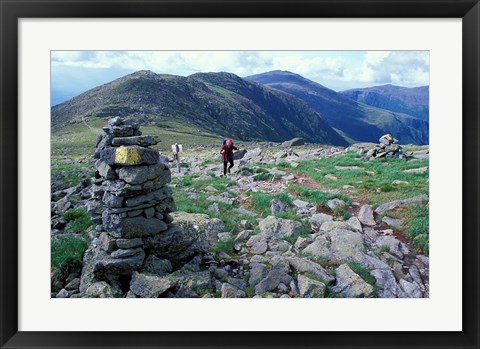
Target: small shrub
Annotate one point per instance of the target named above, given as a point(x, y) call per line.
point(224, 246)
point(386, 187)
point(187, 181)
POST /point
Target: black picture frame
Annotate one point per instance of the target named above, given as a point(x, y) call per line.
point(12, 11)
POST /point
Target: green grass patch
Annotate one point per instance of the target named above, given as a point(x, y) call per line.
point(70, 173)
point(67, 252)
point(418, 226)
point(231, 218)
point(370, 175)
point(224, 246)
point(261, 201)
point(385, 248)
point(78, 220)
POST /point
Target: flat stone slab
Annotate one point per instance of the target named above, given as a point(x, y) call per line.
point(417, 170)
point(392, 221)
point(144, 141)
point(401, 203)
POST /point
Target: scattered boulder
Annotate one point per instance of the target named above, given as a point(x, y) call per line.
point(148, 286)
point(99, 290)
point(365, 215)
point(335, 204)
point(349, 284)
point(293, 142)
point(401, 203)
point(392, 221)
point(310, 288)
point(230, 291)
point(279, 227)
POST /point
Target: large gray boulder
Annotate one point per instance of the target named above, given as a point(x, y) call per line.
point(401, 203)
point(349, 284)
point(310, 288)
point(149, 286)
point(294, 142)
point(187, 235)
point(279, 227)
point(365, 215)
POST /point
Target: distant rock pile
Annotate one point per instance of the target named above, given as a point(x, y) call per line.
point(381, 150)
point(132, 205)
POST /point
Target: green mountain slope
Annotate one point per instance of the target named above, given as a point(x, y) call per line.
point(357, 121)
point(215, 103)
point(412, 101)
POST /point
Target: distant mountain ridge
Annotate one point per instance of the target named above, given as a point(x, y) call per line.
point(356, 121)
point(221, 103)
point(409, 100)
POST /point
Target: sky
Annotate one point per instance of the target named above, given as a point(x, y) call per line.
point(74, 72)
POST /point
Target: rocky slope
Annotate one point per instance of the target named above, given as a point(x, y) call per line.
point(278, 231)
point(357, 121)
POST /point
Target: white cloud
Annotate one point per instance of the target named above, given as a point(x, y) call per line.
point(405, 68)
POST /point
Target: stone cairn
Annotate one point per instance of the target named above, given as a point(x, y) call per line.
point(381, 150)
point(131, 205)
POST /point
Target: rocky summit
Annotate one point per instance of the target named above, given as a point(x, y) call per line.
point(291, 221)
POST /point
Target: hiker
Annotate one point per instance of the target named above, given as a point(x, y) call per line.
point(387, 139)
point(227, 152)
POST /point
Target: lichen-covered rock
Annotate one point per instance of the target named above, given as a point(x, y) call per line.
point(132, 227)
point(279, 227)
point(157, 266)
point(302, 265)
point(131, 155)
point(318, 219)
point(278, 274)
point(230, 291)
point(365, 215)
point(310, 288)
point(149, 286)
point(349, 284)
point(141, 174)
point(99, 290)
point(346, 245)
point(144, 141)
point(386, 283)
point(189, 234)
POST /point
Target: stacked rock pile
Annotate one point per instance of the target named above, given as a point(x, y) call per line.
point(389, 151)
point(131, 203)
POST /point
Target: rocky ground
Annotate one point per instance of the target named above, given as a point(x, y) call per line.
point(280, 225)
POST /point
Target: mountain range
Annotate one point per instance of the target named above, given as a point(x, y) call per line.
point(357, 122)
point(274, 106)
point(221, 103)
point(412, 101)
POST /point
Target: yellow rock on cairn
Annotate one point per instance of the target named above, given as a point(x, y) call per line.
point(128, 156)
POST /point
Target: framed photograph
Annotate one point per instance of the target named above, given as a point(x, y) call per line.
point(239, 174)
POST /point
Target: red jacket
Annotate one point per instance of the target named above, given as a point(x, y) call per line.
point(227, 151)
